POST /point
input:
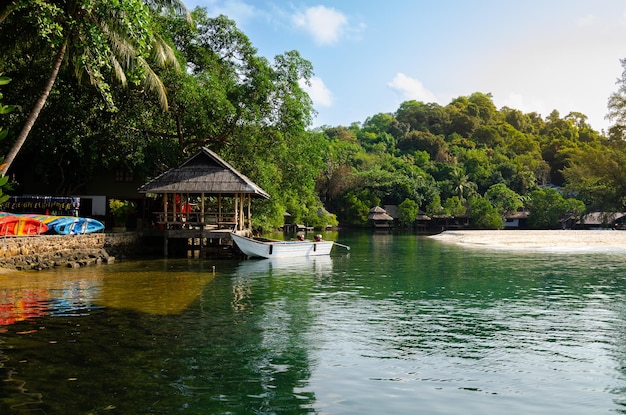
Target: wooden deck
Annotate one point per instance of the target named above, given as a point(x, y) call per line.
point(195, 220)
point(196, 238)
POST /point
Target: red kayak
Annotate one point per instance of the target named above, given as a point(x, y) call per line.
point(11, 225)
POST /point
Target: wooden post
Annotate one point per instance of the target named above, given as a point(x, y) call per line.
point(219, 207)
point(241, 215)
point(164, 210)
point(186, 206)
point(202, 210)
point(235, 208)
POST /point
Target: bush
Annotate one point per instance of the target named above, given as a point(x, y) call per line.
point(483, 215)
point(407, 212)
point(121, 210)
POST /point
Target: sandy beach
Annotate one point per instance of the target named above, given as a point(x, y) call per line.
point(530, 240)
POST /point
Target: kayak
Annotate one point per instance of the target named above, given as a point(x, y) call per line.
point(14, 225)
point(69, 225)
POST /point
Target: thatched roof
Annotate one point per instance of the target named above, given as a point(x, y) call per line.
point(391, 210)
point(517, 215)
point(377, 209)
point(378, 214)
point(204, 172)
point(602, 218)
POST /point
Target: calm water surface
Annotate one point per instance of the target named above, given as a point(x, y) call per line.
point(401, 324)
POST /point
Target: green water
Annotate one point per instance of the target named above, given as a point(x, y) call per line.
point(400, 324)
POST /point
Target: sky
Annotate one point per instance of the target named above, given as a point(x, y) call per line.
point(370, 56)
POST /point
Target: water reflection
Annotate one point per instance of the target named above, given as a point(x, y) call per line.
point(20, 305)
point(318, 265)
point(539, 333)
point(73, 293)
point(402, 325)
point(29, 295)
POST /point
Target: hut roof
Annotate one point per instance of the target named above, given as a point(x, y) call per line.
point(517, 215)
point(601, 218)
point(379, 216)
point(204, 172)
point(391, 210)
point(377, 213)
point(377, 209)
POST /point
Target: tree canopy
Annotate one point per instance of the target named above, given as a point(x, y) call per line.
point(465, 158)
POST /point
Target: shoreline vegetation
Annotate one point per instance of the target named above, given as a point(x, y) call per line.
point(468, 158)
point(532, 240)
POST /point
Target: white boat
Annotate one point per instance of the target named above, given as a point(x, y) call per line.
point(294, 266)
point(272, 248)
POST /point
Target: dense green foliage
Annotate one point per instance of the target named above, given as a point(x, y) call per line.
point(4, 109)
point(95, 39)
point(470, 159)
point(466, 158)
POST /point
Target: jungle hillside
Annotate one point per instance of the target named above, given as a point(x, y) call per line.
point(139, 86)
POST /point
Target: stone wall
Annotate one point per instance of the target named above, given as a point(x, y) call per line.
point(48, 251)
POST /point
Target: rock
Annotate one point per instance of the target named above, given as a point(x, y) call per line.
point(49, 251)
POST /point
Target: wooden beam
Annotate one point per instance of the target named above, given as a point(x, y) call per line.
point(243, 218)
point(165, 207)
point(219, 207)
point(202, 208)
point(235, 212)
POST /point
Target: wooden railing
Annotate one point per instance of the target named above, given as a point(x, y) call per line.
point(181, 219)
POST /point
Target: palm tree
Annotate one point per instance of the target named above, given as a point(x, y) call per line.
point(461, 183)
point(97, 38)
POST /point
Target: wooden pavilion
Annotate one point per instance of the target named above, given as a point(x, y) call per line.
point(204, 198)
point(379, 217)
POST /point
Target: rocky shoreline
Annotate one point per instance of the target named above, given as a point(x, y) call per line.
point(71, 251)
point(70, 259)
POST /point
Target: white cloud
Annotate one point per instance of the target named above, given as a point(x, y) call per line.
point(586, 21)
point(236, 10)
point(324, 24)
point(318, 92)
point(410, 88)
point(519, 102)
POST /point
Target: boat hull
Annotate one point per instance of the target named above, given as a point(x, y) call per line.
point(11, 225)
point(78, 226)
point(69, 225)
point(281, 249)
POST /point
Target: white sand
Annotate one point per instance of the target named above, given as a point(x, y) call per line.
point(527, 240)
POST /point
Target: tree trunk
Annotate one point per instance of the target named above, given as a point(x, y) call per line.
point(34, 114)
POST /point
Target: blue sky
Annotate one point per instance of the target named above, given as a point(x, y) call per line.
point(370, 56)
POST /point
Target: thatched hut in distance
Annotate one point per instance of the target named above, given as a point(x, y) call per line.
point(602, 220)
point(379, 217)
point(204, 197)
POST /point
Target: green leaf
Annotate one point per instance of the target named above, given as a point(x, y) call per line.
point(5, 109)
point(4, 80)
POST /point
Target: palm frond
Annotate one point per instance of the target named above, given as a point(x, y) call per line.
point(118, 70)
point(121, 46)
point(163, 54)
point(153, 83)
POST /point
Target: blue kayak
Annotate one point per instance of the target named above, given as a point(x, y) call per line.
point(69, 225)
